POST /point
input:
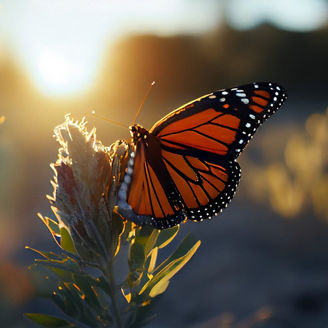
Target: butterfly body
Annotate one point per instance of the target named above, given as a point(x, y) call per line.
point(185, 166)
point(150, 145)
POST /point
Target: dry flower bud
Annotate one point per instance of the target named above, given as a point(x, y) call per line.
point(87, 176)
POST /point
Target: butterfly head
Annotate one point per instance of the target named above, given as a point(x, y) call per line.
point(138, 133)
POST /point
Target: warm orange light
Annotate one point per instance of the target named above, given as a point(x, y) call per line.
point(61, 43)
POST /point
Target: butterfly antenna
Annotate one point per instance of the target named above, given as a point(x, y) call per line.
point(143, 101)
point(108, 120)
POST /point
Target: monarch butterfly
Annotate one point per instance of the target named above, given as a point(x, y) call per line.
point(185, 166)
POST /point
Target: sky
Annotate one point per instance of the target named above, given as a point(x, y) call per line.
point(60, 43)
point(293, 15)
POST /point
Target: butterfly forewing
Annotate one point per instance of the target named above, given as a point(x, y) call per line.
point(220, 123)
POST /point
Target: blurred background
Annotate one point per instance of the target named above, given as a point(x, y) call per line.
point(263, 262)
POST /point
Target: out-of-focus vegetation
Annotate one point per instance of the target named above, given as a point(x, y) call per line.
point(227, 320)
point(300, 181)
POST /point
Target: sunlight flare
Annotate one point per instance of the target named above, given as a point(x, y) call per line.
point(58, 74)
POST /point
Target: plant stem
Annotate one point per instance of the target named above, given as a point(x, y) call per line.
point(111, 279)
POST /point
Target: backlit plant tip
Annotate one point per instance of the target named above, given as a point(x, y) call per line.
point(82, 277)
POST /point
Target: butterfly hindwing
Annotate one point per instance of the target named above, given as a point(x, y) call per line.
point(205, 187)
point(202, 188)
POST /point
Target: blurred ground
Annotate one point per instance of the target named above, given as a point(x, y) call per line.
point(249, 260)
point(251, 257)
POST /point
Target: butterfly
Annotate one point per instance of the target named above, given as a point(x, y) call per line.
point(185, 166)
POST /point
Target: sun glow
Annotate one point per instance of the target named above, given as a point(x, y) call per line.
point(61, 43)
point(58, 74)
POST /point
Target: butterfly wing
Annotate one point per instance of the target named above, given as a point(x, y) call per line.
point(183, 187)
point(219, 125)
point(188, 169)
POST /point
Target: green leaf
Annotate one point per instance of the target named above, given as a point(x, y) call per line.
point(160, 281)
point(66, 241)
point(151, 241)
point(137, 253)
point(68, 302)
point(166, 236)
point(67, 264)
point(127, 295)
point(51, 224)
point(153, 258)
point(186, 244)
point(136, 264)
point(47, 255)
point(62, 265)
point(103, 284)
point(159, 288)
point(143, 234)
point(87, 286)
point(118, 226)
point(49, 320)
point(71, 299)
point(145, 274)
